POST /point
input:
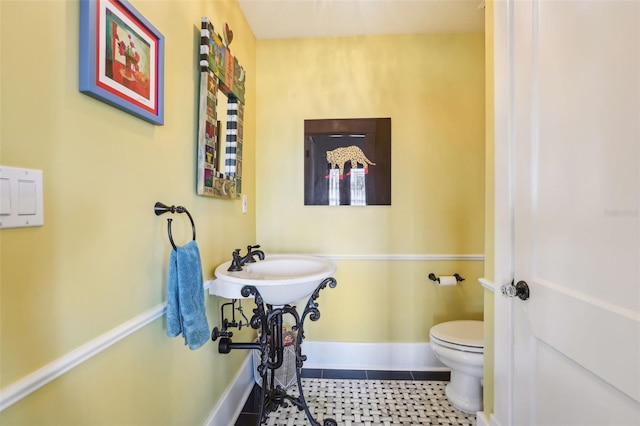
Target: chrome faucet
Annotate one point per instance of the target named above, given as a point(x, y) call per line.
point(238, 262)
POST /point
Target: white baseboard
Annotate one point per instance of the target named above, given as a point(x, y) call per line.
point(230, 404)
point(371, 356)
point(481, 419)
point(494, 421)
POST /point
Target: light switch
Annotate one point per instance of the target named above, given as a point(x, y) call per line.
point(21, 198)
point(5, 196)
point(26, 197)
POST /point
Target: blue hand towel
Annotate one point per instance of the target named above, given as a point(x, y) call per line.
point(174, 323)
point(185, 297)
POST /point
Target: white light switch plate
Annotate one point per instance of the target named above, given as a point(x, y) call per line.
point(20, 197)
point(244, 203)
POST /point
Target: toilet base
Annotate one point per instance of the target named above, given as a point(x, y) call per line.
point(464, 392)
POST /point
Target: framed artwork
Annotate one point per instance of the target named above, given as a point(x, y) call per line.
point(347, 162)
point(122, 58)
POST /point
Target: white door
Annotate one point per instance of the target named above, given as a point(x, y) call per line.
point(567, 212)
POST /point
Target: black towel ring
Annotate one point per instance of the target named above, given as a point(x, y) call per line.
point(160, 208)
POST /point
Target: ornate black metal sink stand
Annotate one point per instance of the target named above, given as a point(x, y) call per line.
point(269, 321)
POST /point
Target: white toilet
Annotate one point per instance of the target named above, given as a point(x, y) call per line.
point(460, 346)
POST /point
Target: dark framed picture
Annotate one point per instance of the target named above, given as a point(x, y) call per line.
point(347, 162)
point(122, 58)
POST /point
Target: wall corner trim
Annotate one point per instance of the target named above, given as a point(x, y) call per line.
point(481, 419)
point(488, 284)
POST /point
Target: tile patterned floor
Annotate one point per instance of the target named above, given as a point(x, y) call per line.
point(365, 401)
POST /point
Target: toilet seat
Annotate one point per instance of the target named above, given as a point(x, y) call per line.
point(466, 336)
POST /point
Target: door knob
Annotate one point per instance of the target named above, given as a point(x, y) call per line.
point(520, 290)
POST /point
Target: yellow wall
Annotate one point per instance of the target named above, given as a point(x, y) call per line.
point(101, 257)
point(432, 87)
point(489, 241)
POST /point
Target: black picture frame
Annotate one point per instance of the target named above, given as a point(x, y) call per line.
point(371, 135)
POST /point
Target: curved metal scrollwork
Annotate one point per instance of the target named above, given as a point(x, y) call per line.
point(268, 320)
point(311, 309)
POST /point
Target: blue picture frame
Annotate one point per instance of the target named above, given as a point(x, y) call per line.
point(122, 58)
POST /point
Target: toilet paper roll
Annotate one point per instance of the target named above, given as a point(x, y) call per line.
point(448, 280)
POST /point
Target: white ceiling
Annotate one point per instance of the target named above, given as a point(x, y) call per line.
point(333, 18)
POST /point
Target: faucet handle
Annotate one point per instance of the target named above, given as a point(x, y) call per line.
point(236, 263)
point(250, 253)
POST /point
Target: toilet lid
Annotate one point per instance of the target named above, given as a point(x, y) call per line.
point(468, 335)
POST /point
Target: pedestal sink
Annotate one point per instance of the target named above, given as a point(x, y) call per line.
point(280, 278)
point(275, 283)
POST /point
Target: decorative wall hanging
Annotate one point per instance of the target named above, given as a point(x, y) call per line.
point(347, 162)
point(122, 58)
point(222, 81)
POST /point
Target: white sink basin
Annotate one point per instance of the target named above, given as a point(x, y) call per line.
point(280, 278)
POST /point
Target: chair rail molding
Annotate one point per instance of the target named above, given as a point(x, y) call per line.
point(34, 381)
point(427, 257)
point(13, 393)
